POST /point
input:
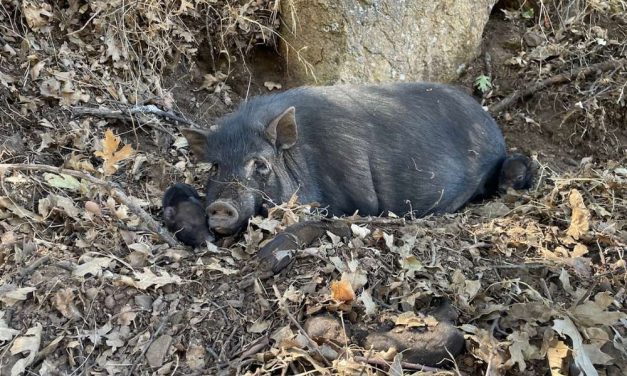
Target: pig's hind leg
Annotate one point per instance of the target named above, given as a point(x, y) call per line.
point(278, 253)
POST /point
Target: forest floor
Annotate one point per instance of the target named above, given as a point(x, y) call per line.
point(536, 278)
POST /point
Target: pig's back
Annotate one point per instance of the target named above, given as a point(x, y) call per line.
point(417, 146)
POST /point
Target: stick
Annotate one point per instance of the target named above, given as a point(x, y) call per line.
point(558, 79)
point(114, 191)
point(127, 113)
point(312, 343)
point(405, 365)
point(32, 267)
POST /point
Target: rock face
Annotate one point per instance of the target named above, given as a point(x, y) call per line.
point(330, 41)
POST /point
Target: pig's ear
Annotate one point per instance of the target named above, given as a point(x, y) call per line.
point(282, 131)
point(197, 140)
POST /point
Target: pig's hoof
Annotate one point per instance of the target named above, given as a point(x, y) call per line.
point(429, 347)
point(278, 252)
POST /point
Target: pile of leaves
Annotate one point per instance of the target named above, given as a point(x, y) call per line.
point(87, 284)
point(112, 53)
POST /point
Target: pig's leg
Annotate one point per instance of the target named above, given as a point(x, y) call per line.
point(296, 237)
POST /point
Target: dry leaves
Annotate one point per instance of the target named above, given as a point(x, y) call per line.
point(580, 218)
point(110, 153)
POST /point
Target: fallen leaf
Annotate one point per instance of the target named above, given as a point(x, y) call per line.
point(111, 154)
point(357, 279)
point(7, 203)
point(147, 279)
point(6, 333)
point(520, 349)
point(214, 264)
point(579, 222)
point(10, 295)
point(359, 231)
point(593, 351)
point(370, 306)
point(342, 291)
point(565, 327)
point(64, 302)
point(37, 16)
point(30, 342)
point(592, 313)
point(93, 267)
point(556, 355)
point(410, 320)
point(36, 70)
point(259, 326)
point(64, 181)
point(60, 203)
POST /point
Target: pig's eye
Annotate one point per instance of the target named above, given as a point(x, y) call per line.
point(262, 167)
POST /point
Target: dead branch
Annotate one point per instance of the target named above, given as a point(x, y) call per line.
point(32, 267)
point(557, 79)
point(128, 114)
point(405, 365)
point(115, 192)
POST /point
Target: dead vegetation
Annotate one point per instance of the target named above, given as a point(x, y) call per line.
point(537, 279)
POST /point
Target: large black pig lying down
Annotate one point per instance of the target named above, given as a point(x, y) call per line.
point(423, 148)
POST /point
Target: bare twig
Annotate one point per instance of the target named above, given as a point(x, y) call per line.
point(557, 79)
point(405, 365)
point(32, 267)
point(113, 189)
point(127, 114)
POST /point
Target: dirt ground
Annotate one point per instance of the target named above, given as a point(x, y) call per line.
point(536, 279)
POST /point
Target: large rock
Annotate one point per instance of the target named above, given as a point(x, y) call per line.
point(381, 40)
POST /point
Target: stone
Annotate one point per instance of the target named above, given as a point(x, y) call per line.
point(356, 41)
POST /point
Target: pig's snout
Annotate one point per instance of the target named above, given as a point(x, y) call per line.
point(223, 217)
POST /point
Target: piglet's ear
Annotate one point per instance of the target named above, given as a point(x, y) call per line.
point(197, 140)
point(282, 131)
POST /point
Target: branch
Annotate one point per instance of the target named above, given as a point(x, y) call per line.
point(128, 113)
point(114, 191)
point(558, 79)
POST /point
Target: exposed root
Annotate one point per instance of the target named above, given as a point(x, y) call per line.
point(557, 79)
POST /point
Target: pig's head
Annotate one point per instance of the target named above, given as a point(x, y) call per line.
point(188, 221)
point(248, 164)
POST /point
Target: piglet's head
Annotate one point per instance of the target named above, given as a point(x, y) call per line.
point(247, 156)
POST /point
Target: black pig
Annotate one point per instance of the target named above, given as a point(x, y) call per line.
point(184, 215)
point(414, 147)
point(516, 172)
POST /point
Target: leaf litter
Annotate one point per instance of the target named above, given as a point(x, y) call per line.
point(536, 279)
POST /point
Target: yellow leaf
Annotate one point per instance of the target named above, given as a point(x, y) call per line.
point(110, 155)
point(579, 222)
point(556, 355)
point(342, 291)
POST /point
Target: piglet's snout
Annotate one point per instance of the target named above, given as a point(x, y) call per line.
point(223, 217)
